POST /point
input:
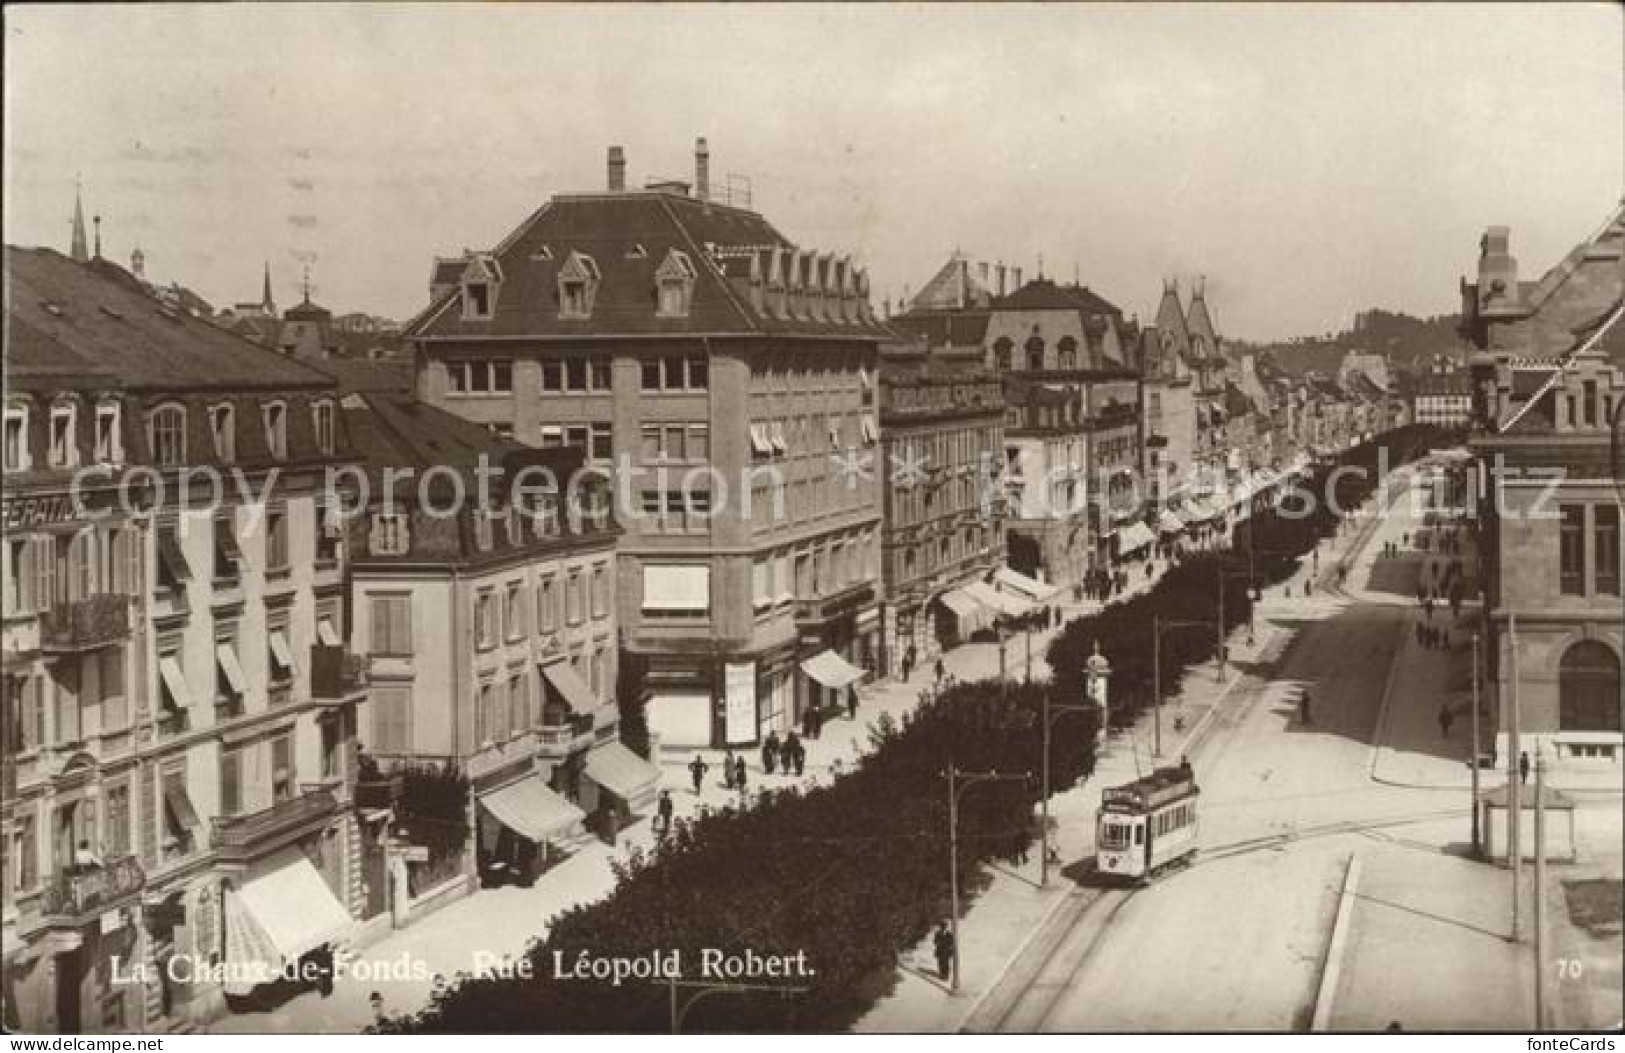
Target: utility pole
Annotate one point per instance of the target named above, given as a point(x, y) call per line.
point(1473, 760)
point(1051, 712)
point(1158, 627)
point(1540, 890)
point(1514, 783)
point(958, 783)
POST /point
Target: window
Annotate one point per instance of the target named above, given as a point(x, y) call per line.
point(552, 375)
point(676, 591)
point(109, 442)
point(599, 372)
point(575, 374)
point(674, 285)
point(477, 300)
point(332, 732)
point(231, 781)
point(389, 535)
point(547, 605)
point(600, 678)
point(1571, 551)
point(276, 430)
point(575, 605)
point(578, 286)
point(1588, 688)
point(322, 415)
point(62, 451)
point(222, 428)
point(25, 852)
point(1035, 352)
point(485, 615)
point(282, 665)
point(1002, 348)
point(168, 436)
point(227, 556)
point(329, 528)
point(282, 770)
point(518, 703)
point(110, 678)
point(1605, 545)
point(485, 715)
point(391, 719)
point(676, 373)
point(514, 615)
point(600, 590)
point(481, 376)
point(117, 839)
point(16, 449)
point(391, 624)
point(230, 683)
point(1588, 401)
point(651, 374)
point(276, 539)
point(180, 818)
point(602, 442)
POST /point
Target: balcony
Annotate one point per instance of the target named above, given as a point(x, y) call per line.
point(336, 675)
point(558, 740)
point(841, 602)
point(382, 792)
point(74, 899)
point(241, 837)
point(84, 625)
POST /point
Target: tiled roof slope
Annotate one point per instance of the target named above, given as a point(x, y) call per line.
point(60, 312)
point(628, 236)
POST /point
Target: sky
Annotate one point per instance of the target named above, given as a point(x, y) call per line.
point(1310, 161)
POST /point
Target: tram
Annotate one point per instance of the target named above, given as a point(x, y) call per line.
point(1147, 826)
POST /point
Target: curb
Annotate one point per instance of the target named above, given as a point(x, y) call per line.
point(1332, 966)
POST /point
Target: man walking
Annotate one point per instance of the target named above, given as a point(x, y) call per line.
point(663, 813)
point(1303, 709)
point(728, 769)
point(739, 774)
point(851, 702)
point(944, 946)
point(770, 752)
point(697, 768)
point(1446, 718)
point(941, 670)
point(1523, 768)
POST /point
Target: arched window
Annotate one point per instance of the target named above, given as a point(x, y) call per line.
point(1588, 693)
point(1001, 353)
point(1068, 348)
point(1035, 352)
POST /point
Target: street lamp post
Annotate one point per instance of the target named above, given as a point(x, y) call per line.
point(1157, 628)
point(958, 783)
point(1051, 713)
point(1474, 756)
point(1225, 575)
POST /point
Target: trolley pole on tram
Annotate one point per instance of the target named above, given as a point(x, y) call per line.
point(958, 783)
point(1158, 626)
point(1540, 890)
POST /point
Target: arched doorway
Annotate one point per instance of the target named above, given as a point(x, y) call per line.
point(1588, 693)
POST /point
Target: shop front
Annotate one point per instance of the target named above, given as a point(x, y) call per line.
point(519, 820)
point(838, 637)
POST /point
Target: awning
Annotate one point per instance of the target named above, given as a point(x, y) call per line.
point(621, 772)
point(831, 670)
point(171, 556)
point(1168, 523)
point(282, 652)
point(170, 669)
point(1003, 602)
point(970, 614)
point(1014, 581)
point(760, 441)
point(1134, 537)
point(577, 695)
point(179, 803)
point(226, 655)
point(530, 809)
point(327, 633)
point(283, 910)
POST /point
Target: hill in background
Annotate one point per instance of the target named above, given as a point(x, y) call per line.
point(1406, 341)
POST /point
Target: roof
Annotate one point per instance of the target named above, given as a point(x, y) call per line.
point(366, 375)
point(1453, 383)
point(959, 328)
point(1042, 294)
point(733, 252)
point(1198, 322)
point(391, 429)
point(951, 288)
point(96, 316)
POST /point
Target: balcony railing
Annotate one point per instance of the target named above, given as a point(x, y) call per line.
point(336, 674)
point(84, 625)
point(241, 835)
point(73, 896)
point(565, 736)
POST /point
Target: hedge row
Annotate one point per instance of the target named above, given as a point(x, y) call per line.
point(853, 873)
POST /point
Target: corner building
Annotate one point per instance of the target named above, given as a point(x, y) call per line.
point(724, 378)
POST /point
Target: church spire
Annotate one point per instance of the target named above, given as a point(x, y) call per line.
point(265, 294)
point(78, 249)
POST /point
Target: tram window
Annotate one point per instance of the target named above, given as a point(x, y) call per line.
point(1139, 834)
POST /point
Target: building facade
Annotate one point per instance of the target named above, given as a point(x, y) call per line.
point(942, 442)
point(1548, 386)
point(180, 708)
point(726, 378)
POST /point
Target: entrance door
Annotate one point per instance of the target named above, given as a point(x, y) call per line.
point(70, 975)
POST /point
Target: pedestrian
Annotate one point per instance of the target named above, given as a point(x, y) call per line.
point(1303, 709)
point(1446, 718)
point(787, 752)
point(739, 774)
point(943, 943)
point(851, 702)
point(663, 812)
point(800, 758)
point(697, 768)
point(728, 769)
point(816, 716)
point(1018, 848)
point(1523, 768)
point(376, 1001)
point(770, 752)
point(942, 670)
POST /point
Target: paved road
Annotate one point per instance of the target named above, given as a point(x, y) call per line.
point(1238, 940)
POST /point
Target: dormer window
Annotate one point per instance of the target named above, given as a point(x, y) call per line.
point(389, 535)
point(222, 423)
point(480, 279)
point(16, 439)
point(109, 433)
point(62, 451)
point(167, 436)
point(674, 284)
point(276, 430)
point(578, 286)
point(322, 415)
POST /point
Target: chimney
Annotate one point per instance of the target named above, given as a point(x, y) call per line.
point(998, 273)
point(1015, 278)
point(702, 170)
point(981, 273)
point(617, 169)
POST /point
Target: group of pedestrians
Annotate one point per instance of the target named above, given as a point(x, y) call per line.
point(790, 756)
point(1432, 637)
point(1101, 585)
